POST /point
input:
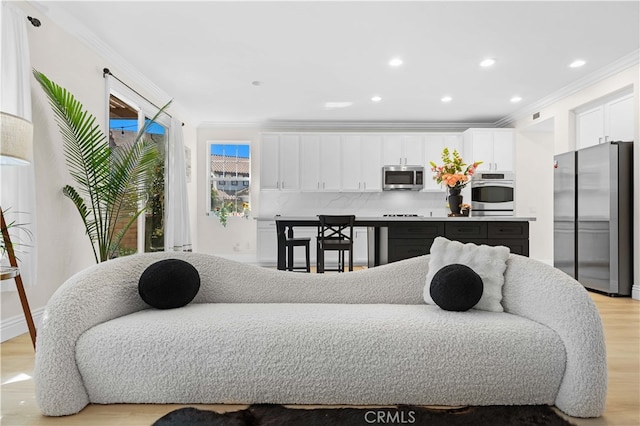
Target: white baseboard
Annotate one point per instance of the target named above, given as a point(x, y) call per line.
point(16, 326)
point(635, 292)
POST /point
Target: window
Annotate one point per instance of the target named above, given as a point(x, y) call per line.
point(229, 179)
point(127, 113)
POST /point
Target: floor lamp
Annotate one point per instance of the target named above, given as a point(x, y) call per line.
point(16, 148)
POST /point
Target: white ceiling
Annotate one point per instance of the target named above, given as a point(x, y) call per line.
point(205, 55)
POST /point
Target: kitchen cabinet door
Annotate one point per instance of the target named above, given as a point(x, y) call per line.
point(480, 149)
point(371, 163)
point(611, 120)
point(392, 150)
point(289, 165)
point(590, 127)
point(330, 163)
point(267, 243)
point(503, 150)
point(269, 153)
point(351, 163)
point(620, 119)
point(494, 147)
point(310, 163)
point(320, 158)
point(360, 248)
point(361, 163)
point(413, 150)
point(403, 150)
point(279, 162)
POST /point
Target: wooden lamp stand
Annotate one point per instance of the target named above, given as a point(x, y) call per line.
point(14, 272)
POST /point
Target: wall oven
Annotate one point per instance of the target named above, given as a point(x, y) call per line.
point(402, 177)
point(492, 193)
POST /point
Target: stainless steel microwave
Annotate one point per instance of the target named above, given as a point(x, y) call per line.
point(402, 177)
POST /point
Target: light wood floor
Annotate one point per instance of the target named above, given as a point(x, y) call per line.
point(621, 317)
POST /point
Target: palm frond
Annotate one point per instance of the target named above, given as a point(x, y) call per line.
point(78, 201)
point(106, 178)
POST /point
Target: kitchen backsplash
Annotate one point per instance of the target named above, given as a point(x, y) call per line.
point(360, 204)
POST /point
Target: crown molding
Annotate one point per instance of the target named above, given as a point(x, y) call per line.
point(114, 60)
point(363, 126)
point(229, 124)
point(603, 73)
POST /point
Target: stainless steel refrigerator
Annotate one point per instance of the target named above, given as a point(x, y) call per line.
point(599, 192)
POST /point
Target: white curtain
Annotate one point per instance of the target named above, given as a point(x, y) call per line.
point(177, 230)
point(17, 198)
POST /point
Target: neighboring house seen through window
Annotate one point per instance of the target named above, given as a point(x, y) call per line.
point(229, 179)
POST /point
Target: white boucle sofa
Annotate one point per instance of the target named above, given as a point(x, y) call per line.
point(258, 335)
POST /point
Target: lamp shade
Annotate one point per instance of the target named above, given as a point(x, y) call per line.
point(16, 140)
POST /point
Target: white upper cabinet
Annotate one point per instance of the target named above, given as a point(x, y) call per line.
point(403, 150)
point(607, 121)
point(434, 144)
point(361, 163)
point(310, 170)
point(320, 162)
point(279, 162)
point(494, 147)
point(620, 121)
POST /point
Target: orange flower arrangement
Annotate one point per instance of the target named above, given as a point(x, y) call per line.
point(453, 172)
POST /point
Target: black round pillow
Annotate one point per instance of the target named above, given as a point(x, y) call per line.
point(169, 283)
point(456, 287)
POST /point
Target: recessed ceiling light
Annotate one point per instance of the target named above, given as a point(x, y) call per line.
point(331, 105)
point(395, 62)
point(376, 98)
point(446, 99)
point(577, 63)
point(487, 62)
point(516, 99)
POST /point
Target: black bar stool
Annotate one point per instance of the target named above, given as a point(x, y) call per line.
point(335, 233)
point(290, 243)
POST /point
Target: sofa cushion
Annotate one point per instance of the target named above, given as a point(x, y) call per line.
point(169, 283)
point(320, 354)
point(456, 287)
point(488, 262)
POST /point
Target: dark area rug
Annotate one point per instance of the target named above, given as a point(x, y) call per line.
point(277, 415)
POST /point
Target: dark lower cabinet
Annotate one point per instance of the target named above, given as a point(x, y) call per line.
point(411, 239)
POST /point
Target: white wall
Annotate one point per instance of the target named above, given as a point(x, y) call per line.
point(534, 152)
point(63, 248)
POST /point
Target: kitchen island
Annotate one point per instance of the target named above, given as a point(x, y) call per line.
point(390, 239)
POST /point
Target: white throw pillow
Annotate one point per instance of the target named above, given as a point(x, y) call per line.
point(488, 262)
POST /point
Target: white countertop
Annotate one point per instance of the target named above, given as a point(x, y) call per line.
point(414, 218)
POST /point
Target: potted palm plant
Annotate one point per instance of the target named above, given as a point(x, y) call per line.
point(107, 179)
